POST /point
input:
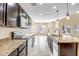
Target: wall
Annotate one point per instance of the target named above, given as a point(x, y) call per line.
point(50, 27)
point(74, 19)
point(5, 32)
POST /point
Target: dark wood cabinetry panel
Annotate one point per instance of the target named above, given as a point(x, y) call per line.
point(68, 49)
point(13, 15)
point(2, 14)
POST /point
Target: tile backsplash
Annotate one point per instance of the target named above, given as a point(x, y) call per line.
point(5, 32)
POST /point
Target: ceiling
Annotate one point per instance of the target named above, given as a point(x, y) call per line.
point(46, 12)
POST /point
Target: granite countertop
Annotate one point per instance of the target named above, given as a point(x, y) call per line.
point(65, 39)
point(7, 46)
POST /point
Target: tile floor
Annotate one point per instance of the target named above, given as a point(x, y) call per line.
point(40, 47)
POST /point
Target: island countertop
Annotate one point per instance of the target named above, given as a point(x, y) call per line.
point(65, 39)
point(7, 46)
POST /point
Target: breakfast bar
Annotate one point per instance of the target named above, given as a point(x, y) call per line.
point(65, 46)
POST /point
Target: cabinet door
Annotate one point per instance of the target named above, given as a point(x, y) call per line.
point(51, 45)
point(22, 46)
point(23, 52)
point(55, 48)
point(68, 49)
point(11, 14)
point(49, 41)
point(14, 53)
point(2, 11)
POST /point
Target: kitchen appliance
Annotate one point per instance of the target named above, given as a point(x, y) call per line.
point(16, 35)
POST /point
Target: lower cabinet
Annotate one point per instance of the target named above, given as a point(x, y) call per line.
point(14, 53)
point(21, 50)
point(50, 43)
point(62, 49)
point(55, 49)
point(68, 49)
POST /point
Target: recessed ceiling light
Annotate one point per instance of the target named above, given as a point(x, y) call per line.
point(73, 3)
point(41, 14)
point(54, 7)
point(40, 3)
point(77, 11)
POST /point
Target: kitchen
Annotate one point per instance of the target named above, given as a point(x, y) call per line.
point(24, 29)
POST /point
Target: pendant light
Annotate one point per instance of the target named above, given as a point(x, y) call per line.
point(67, 14)
point(57, 11)
point(57, 24)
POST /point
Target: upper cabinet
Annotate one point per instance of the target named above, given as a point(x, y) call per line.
point(2, 10)
point(23, 18)
point(13, 15)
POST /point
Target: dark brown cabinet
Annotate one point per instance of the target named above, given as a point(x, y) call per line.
point(62, 49)
point(13, 15)
point(8, 14)
point(68, 49)
point(2, 14)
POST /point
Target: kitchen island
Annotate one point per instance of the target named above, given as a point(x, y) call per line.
point(64, 46)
